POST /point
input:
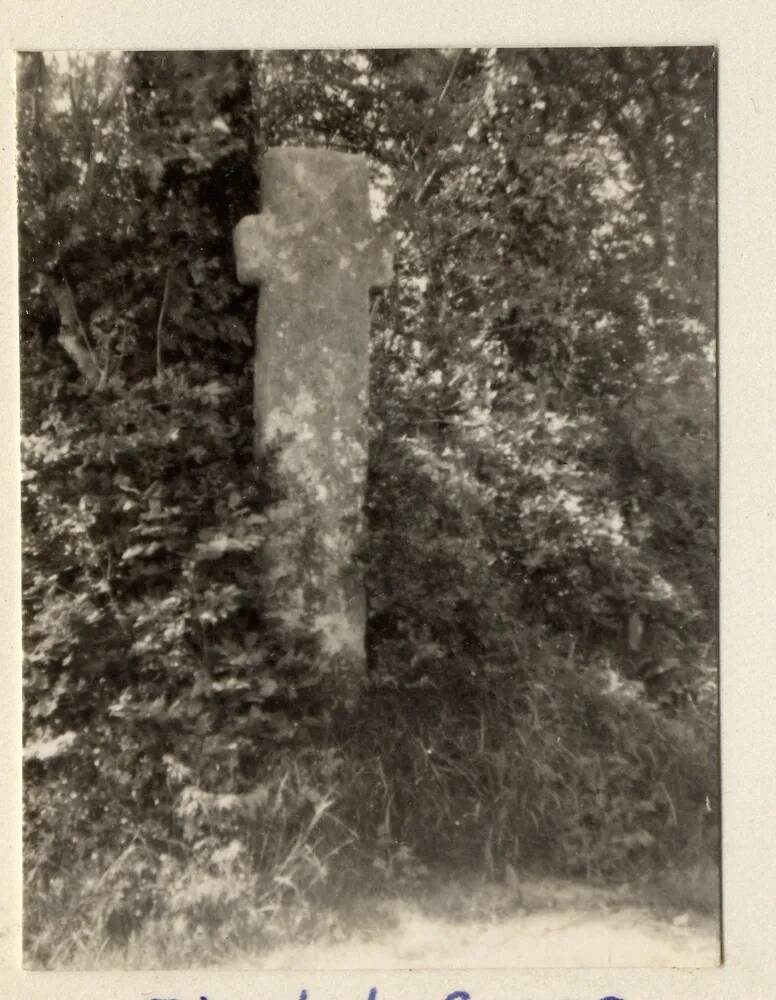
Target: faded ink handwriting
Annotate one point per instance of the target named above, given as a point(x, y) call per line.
point(372, 995)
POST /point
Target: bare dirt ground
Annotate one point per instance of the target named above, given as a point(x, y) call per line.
point(466, 923)
point(551, 924)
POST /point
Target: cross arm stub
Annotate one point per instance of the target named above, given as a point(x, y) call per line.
point(378, 265)
point(256, 246)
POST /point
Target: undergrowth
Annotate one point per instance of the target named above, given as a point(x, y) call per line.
point(567, 775)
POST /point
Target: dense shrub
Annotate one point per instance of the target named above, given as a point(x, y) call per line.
point(564, 773)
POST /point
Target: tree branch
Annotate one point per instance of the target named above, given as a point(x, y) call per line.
point(160, 322)
point(72, 335)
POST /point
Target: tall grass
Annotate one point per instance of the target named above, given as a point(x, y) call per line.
point(491, 775)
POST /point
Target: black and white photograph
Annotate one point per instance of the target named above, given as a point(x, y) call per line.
point(369, 508)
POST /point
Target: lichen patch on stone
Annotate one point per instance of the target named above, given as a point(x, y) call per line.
point(339, 633)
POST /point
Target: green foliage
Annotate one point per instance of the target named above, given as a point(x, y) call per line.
point(541, 556)
point(537, 766)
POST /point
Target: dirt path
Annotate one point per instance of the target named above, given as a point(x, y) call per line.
point(578, 928)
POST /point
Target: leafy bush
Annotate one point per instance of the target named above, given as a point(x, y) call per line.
point(547, 768)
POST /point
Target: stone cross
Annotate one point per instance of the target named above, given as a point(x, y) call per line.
point(315, 254)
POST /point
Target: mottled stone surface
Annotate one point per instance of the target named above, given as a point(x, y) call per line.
point(314, 252)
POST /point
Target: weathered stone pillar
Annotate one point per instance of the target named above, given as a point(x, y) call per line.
point(314, 253)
